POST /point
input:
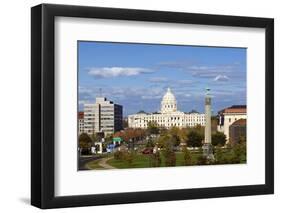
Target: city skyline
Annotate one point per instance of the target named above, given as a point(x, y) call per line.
point(136, 76)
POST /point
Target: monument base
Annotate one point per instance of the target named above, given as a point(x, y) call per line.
point(208, 151)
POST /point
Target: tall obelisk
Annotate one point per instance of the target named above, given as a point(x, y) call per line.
point(207, 146)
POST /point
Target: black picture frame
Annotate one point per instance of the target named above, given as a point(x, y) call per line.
point(43, 102)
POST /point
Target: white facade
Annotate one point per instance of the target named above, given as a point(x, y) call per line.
point(168, 117)
point(228, 116)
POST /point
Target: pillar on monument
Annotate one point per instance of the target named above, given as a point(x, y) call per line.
point(207, 145)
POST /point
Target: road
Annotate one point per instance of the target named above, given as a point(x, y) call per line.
point(84, 160)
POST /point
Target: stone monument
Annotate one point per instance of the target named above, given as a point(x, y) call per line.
point(207, 145)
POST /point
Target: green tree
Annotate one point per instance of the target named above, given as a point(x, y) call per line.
point(187, 157)
point(219, 158)
point(94, 137)
point(161, 141)
point(239, 153)
point(85, 143)
point(118, 155)
point(199, 129)
point(169, 154)
point(108, 139)
point(242, 139)
point(156, 160)
point(194, 139)
point(150, 143)
point(218, 139)
point(152, 128)
point(175, 134)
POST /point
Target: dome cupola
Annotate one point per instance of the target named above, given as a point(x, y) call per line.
point(169, 102)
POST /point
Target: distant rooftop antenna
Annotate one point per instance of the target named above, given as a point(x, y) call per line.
point(208, 91)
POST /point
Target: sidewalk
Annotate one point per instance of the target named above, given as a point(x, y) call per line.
point(103, 163)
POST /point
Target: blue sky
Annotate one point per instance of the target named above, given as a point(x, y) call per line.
point(137, 75)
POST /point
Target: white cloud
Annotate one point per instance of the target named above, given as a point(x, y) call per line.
point(151, 97)
point(109, 72)
point(221, 78)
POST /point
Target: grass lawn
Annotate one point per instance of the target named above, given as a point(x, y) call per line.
point(144, 161)
point(139, 161)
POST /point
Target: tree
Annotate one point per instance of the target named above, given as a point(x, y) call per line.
point(169, 154)
point(150, 143)
point(187, 157)
point(161, 141)
point(242, 139)
point(175, 134)
point(156, 160)
point(152, 128)
point(118, 155)
point(220, 159)
point(85, 143)
point(199, 129)
point(183, 134)
point(218, 139)
point(194, 139)
point(128, 158)
point(94, 137)
point(239, 153)
point(108, 138)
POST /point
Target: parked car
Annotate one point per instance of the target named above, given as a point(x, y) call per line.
point(147, 151)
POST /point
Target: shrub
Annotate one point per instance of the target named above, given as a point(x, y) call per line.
point(202, 160)
point(155, 160)
point(128, 158)
point(118, 155)
point(218, 139)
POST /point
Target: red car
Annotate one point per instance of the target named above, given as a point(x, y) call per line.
point(147, 151)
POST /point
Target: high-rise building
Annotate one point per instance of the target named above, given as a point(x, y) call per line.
point(168, 116)
point(80, 122)
point(102, 116)
point(228, 116)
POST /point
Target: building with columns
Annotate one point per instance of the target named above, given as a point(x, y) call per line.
point(228, 116)
point(168, 116)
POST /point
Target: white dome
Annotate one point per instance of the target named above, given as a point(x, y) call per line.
point(169, 102)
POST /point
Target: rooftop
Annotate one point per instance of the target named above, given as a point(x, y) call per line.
point(240, 122)
point(81, 115)
point(234, 109)
point(141, 112)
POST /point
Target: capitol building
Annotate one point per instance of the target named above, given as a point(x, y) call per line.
point(168, 116)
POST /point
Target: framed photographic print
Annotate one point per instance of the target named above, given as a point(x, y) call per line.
point(139, 106)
